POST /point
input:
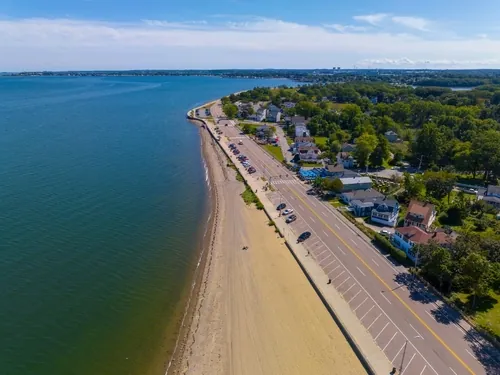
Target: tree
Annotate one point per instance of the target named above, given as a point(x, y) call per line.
point(334, 185)
point(380, 153)
point(365, 145)
point(429, 144)
point(476, 271)
point(413, 185)
point(486, 151)
point(231, 110)
point(439, 184)
point(436, 262)
point(246, 128)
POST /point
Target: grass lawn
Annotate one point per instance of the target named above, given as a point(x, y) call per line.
point(338, 105)
point(274, 151)
point(320, 140)
point(317, 165)
point(487, 311)
point(249, 197)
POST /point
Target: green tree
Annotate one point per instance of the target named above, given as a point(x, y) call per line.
point(439, 184)
point(246, 128)
point(476, 271)
point(231, 110)
point(334, 185)
point(365, 145)
point(486, 152)
point(438, 263)
point(413, 185)
point(381, 152)
point(429, 144)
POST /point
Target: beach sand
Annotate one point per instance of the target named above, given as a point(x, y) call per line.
point(256, 313)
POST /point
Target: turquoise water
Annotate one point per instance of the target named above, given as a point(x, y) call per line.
point(102, 200)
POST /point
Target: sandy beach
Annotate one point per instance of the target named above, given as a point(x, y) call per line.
point(256, 312)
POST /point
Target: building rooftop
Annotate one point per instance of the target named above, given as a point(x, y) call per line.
point(307, 148)
point(304, 139)
point(493, 190)
point(335, 168)
point(419, 236)
point(420, 212)
point(298, 120)
point(356, 180)
point(363, 195)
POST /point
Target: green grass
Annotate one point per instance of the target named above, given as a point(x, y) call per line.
point(311, 165)
point(486, 313)
point(249, 197)
point(320, 141)
point(274, 151)
point(336, 202)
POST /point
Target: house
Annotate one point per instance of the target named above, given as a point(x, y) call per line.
point(406, 238)
point(273, 113)
point(298, 120)
point(308, 153)
point(346, 159)
point(348, 147)
point(259, 115)
point(420, 215)
point(301, 131)
point(391, 136)
point(302, 142)
point(385, 212)
point(356, 183)
point(492, 196)
point(361, 195)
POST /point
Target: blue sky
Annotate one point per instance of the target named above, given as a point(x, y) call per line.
point(167, 34)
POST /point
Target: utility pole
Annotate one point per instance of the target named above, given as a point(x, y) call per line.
point(420, 163)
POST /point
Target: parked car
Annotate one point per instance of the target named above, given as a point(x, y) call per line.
point(304, 236)
point(311, 192)
point(281, 206)
point(385, 233)
point(232, 145)
point(251, 170)
point(288, 211)
point(236, 152)
point(291, 219)
point(240, 142)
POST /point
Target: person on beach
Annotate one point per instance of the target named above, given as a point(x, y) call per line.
point(329, 282)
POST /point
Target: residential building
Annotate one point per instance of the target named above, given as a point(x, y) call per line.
point(348, 147)
point(368, 195)
point(273, 113)
point(302, 142)
point(298, 120)
point(406, 238)
point(391, 136)
point(356, 183)
point(385, 212)
point(309, 153)
point(259, 115)
point(420, 215)
point(346, 159)
point(492, 196)
point(302, 131)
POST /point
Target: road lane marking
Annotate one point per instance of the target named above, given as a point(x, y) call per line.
point(416, 316)
point(386, 345)
point(472, 355)
point(342, 251)
point(314, 221)
point(360, 304)
point(323, 212)
point(338, 276)
point(376, 337)
point(337, 226)
point(418, 334)
point(375, 263)
point(408, 365)
point(342, 283)
point(354, 242)
point(386, 298)
point(359, 291)
point(453, 371)
point(370, 326)
point(399, 351)
point(366, 313)
point(326, 234)
point(421, 372)
point(314, 204)
point(359, 269)
point(348, 289)
point(428, 313)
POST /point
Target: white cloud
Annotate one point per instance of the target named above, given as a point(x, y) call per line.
point(60, 44)
point(412, 22)
point(345, 28)
point(372, 19)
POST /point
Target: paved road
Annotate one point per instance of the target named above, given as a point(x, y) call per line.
point(415, 329)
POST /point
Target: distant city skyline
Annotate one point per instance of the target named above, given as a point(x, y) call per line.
point(88, 34)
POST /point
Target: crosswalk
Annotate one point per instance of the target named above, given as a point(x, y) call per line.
point(284, 181)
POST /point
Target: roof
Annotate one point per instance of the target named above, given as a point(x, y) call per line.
point(348, 147)
point(390, 132)
point(298, 120)
point(381, 204)
point(345, 155)
point(335, 168)
point(364, 195)
point(493, 189)
point(302, 148)
point(419, 236)
point(420, 212)
point(359, 203)
point(356, 180)
point(304, 139)
point(487, 198)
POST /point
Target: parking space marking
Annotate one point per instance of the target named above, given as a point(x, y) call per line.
point(453, 371)
point(342, 283)
point(337, 226)
point(320, 254)
point(376, 337)
point(323, 212)
point(359, 269)
point(360, 304)
point(359, 291)
point(342, 251)
point(370, 326)
point(392, 338)
point(421, 372)
point(366, 313)
point(338, 276)
point(348, 289)
point(399, 351)
point(386, 298)
point(408, 365)
point(329, 264)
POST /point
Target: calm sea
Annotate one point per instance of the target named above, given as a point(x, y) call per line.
point(102, 199)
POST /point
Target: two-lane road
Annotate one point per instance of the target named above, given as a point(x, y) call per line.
point(417, 331)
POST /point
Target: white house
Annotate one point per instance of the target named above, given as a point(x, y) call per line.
point(273, 113)
point(302, 131)
point(309, 153)
point(356, 183)
point(492, 196)
point(302, 142)
point(259, 115)
point(385, 212)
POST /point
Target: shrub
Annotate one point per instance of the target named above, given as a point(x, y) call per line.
point(397, 254)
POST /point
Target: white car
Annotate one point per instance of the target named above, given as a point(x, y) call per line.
point(288, 211)
point(240, 142)
point(385, 233)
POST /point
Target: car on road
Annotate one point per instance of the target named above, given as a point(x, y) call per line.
point(311, 192)
point(385, 233)
point(288, 211)
point(251, 170)
point(236, 152)
point(281, 206)
point(232, 145)
point(291, 219)
point(304, 236)
point(246, 164)
point(240, 142)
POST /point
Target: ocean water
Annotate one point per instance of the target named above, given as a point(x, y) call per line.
point(102, 201)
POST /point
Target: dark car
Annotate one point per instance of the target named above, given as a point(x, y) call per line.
point(251, 170)
point(304, 236)
point(236, 152)
point(232, 145)
point(291, 219)
point(311, 192)
point(281, 206)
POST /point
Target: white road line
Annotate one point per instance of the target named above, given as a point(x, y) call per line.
point(342, 283)
point(342, 251)
point(348, 289)
point(366, 313)
point(330, 263)
point(392, 338)
point(354, 242)
point(360, 304)
point(376, 337)
point(418, 334)
point(453, 371)
point(326, 234)
point(314, 204)
point(408, 365)
point(338, 276)
point(428, 313)
point(359, 269)
point(320, 254)
point(386, 298)
point(472, 355)
point(359, 291)
point(421, 372)
point(399, 351)
point(314, 221)
point(370, 326)
point(375, 263)
point(337, 226)
point(335, 268)
point(323, 212)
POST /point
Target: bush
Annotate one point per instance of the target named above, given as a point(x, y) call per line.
point(397, 254)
